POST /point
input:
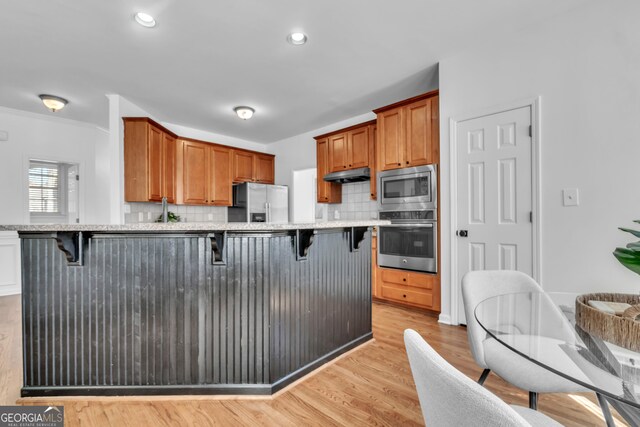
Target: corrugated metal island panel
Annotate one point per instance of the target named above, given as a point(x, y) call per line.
point(151, 314)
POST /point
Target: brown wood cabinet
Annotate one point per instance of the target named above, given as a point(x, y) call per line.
point(327, 192)
point(249, 166)
point(149, 161)
point(265, 168)
point(220, 188)
point(409, 288)
point(205, 170)
point(373, 164)
point(186, 171)
point(408, 132)
point(350, 148)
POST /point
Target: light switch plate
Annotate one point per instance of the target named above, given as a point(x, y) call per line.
point(570, 197)
point(127, 208)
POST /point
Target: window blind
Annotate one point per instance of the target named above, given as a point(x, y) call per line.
point(44, 188)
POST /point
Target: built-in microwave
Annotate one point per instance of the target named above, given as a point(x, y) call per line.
point(408, 188)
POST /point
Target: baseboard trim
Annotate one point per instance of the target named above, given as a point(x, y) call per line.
point(444, 319)
point(6, 290)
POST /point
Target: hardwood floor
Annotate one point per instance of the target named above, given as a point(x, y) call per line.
point(371, 385)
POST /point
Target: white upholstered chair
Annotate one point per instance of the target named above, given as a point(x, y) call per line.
point(449, 398)
point(491, 355)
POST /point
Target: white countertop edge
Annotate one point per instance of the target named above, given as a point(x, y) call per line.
point(191, 226)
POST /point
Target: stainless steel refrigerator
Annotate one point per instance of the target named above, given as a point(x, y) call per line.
point(259, 203)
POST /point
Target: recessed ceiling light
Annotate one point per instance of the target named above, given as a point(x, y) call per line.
point(53, 103)
point(145, 19)
point(245, 113)
point(297, 38)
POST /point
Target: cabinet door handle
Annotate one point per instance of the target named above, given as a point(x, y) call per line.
point(399, 164)
point(404, 296)
point(404, 279)
point(407, 161)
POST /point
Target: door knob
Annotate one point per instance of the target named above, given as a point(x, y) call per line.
point(462, 233)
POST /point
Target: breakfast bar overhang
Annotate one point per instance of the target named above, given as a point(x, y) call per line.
point(189, 308)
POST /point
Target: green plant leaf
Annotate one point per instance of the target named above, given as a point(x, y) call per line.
point(629, 258)
point(629, 230)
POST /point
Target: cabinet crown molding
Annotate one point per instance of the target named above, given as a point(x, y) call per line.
point(150, 121)
point(347, 129)
point(407, 101)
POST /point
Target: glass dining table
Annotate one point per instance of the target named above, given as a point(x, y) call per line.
point(541, 327)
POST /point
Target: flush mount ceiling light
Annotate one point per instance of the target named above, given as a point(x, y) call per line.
point(245, 113)
point(297, 38)
point(145, 19)
point(53, 103)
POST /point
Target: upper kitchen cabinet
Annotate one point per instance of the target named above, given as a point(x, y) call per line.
point(220, 192)
point(338, 153)
point(341, 150)
point(408, 132)
point(249, 166)
point(149, 161)
point(327, 192)
point(265, 168)
point(204, 172)
point(349, 150)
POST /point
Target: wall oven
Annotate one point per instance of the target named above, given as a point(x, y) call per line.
point(410, 242)
point(408, 189)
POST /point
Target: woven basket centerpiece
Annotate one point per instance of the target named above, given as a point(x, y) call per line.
point(620, 330)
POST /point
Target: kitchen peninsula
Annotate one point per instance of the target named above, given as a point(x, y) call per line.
point(189, 308)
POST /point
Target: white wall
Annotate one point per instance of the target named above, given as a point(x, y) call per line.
point(585, 66)
point(38, 136)
point(51, 138)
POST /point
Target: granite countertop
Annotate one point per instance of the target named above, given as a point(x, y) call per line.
point(191, 226)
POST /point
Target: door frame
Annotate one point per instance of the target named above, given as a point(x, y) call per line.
point(536, 184)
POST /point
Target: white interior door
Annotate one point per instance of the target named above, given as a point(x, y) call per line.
point(494, 165)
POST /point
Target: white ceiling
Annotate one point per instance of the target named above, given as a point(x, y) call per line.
point(205, 57)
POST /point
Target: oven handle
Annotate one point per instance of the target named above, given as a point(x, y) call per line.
point(430, 225)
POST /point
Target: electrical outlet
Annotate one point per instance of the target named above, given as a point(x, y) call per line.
point(140, 216)
point(210, 217)
point(570, 197)
point(127, 209)
point(336, 214)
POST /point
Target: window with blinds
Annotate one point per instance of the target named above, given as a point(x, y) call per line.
point(44, 188)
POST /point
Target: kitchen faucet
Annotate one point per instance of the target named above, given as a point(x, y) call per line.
point(165, 210)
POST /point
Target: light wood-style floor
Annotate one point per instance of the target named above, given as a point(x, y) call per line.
point(371, 385)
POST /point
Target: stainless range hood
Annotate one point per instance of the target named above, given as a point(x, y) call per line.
point(352, 175)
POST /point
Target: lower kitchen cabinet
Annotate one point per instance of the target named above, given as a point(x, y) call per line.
point(408, 288)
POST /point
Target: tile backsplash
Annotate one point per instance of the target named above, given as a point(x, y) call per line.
point(356, 203)
point(149, 212)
